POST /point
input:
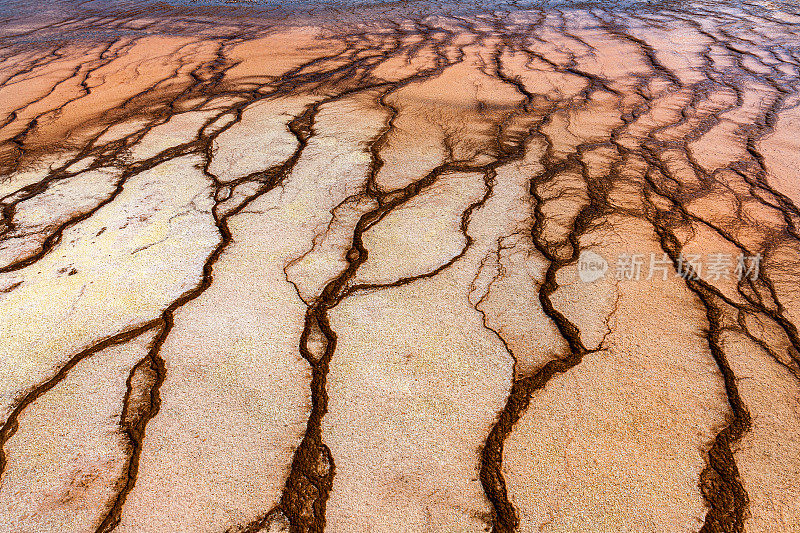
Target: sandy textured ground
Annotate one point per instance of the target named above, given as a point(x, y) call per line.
point(524, 270)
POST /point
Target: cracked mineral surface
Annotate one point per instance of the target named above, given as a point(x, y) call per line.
point(376, 267)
